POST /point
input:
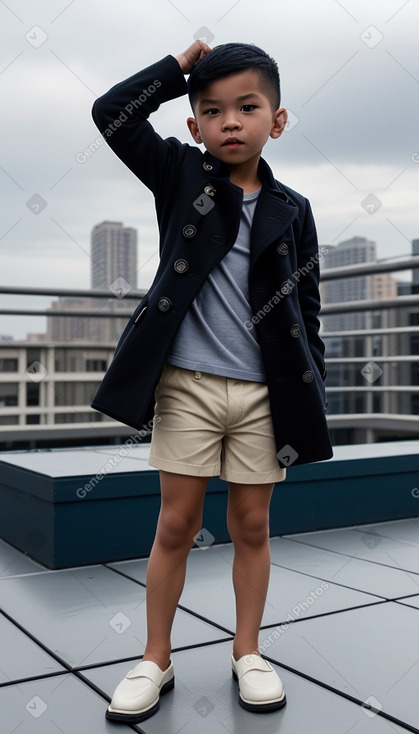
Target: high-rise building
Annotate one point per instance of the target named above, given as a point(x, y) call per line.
point(69, 328)
point(384, 285)
point(347, 353)
point(415, 278)
point(113, 256)
point(113, 268)
point(350, 252)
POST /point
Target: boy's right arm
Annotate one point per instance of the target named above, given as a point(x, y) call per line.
point(121, 116)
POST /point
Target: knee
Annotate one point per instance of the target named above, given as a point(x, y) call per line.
point(177, 531)
point(250, 528)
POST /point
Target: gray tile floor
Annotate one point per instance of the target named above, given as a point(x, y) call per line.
point(340, 626)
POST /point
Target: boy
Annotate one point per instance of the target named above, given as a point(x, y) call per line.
point(224, 348)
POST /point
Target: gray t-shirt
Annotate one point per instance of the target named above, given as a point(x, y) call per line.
point(212, 336)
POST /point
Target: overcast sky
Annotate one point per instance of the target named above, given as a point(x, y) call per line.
point(349, 74)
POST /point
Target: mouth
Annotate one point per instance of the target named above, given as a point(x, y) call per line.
point(232, 143)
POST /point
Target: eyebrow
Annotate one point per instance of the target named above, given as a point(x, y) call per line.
point(239, 99)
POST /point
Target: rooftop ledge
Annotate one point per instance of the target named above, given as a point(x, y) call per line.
point(78, 506)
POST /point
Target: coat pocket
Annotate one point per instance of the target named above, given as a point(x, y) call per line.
point(135, 319)
point(140, 315)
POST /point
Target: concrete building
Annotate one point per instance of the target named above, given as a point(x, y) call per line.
point(68, 329)
point(113, 257)
point(350, 252)
point(113, 268)
point(384, 285)
point(373, 370)
point(45, 395)
point(415, 279)
point(88, 329)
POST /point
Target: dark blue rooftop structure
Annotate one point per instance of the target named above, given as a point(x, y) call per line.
point(340, 623)
point(72, 507)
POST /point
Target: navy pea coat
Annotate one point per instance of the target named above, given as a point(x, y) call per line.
point(198, 211)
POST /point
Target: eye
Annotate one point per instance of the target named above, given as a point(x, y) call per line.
point(212, 111)
point(249, 107)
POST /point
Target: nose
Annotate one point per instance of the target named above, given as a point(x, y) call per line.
point(231, 122)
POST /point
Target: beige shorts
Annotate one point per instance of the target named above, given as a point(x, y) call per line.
point(209, 425)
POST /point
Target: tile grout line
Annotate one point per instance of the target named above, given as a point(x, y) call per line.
point(321, 578)
point(68, 670)
point(100, 664)
point(340, 693)
point(380, 600)
point(181, 648)
point(76, 671)
point(180, 606)
point(348, 555)
point(352, 588)
point(104, 695)
point(28, 679)
point(51, 653)
point(361, 525)
point(405, 604)
point(326, 614)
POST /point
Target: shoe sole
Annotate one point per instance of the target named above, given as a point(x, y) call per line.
point(261, 708)
point(135, 718)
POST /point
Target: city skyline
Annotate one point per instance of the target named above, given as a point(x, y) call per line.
point(357, 249)
point(113, 267)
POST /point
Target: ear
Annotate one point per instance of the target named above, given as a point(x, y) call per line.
point(279, 122)
point(194, 129)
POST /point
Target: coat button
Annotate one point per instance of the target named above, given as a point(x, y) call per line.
point(181, 265)
point(189, 230)
point(207, 166)
point(295, 331)
point(282, 249)
point(164, 304)
point(209, 190)
point(286, 287)
point(308, 376)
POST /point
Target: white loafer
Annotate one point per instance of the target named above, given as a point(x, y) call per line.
point(138, 696)
point(260, 688)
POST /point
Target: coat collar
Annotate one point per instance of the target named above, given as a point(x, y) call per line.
point(274, 209)
point(215, 167)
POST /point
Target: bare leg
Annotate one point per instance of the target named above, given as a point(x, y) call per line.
point(248, 524)
point(180, 518)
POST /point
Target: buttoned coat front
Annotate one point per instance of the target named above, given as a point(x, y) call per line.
point(198, 211)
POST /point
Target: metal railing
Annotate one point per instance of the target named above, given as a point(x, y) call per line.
point(69, 293)
point(349, 271)
point(390, 418)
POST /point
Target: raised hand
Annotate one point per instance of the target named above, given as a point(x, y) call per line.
point(192, 55)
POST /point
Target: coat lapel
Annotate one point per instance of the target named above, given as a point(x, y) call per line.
point(274, 211)
point(272, 217)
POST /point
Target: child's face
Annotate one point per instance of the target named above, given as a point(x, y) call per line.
point(236, 106)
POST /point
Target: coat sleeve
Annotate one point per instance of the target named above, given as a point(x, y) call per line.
point(308, 287)
point(121, 116)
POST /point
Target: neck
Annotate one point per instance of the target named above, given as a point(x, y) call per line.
point(246, 176)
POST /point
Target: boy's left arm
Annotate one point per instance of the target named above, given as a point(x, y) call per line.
point(308, 287)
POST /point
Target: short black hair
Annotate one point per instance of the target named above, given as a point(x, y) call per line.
point(230, 58)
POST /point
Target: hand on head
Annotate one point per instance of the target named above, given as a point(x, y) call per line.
point(192, 55)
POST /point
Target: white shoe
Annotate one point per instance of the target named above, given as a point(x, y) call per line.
point(138, 696)
point(260, 688)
